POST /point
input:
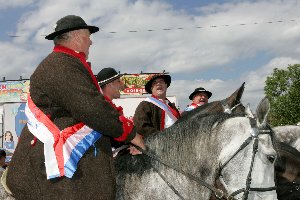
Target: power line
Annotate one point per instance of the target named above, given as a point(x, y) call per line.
point(195, 27)
point(210, 26)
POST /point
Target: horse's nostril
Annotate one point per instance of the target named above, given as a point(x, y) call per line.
point(271, 158)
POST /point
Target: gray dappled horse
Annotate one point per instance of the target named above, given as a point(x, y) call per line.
point(230, 104)
point(287, 165)
point(202, 150)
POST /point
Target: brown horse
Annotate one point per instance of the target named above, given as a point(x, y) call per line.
point(288, 163)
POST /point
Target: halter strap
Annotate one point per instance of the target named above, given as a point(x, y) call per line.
point(227, 108)
point(254, 136)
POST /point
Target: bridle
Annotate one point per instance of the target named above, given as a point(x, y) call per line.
point(255, 132)
point(219, 193)
point(227, 108)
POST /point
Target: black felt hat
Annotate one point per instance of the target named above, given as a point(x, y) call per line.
point(70, 23)
point(166, 77)
point(107, 75)
point(198, 90)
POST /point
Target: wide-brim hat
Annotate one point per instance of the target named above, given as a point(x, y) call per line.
point(70, 23)
point(166, 77)
point(198, 90)
point(107, 75)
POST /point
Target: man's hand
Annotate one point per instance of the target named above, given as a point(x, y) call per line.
point(138, 141)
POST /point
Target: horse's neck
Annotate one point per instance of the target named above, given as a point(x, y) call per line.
point(187, 150)
point(289, 135)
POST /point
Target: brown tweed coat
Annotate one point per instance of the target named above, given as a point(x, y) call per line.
point(62, 88)
point(147, 118)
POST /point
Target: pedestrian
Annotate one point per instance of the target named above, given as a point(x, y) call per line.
point(3, 164)
point(8, 140)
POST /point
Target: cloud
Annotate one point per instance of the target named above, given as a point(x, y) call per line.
point(221, 89)
point(16, 62)
point(14, 3)
point(256, 79)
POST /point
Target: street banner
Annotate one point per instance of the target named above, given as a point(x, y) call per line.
point(14, 91)
point(20, 119)
point(135, 83)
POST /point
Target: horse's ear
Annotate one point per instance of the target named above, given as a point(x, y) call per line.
point(249, 112)
point(235, 98)
point(262, 111)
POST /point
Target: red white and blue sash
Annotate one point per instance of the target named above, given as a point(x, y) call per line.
point(62, 149)
point(171, 118)
point(191, 107)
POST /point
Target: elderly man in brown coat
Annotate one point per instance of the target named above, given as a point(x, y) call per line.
point(64, 151)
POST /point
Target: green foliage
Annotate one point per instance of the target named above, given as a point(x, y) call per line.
point(283, 91)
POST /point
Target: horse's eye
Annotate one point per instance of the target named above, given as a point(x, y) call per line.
point(271, 158)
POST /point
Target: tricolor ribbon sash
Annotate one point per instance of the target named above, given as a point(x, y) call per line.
point(164, 107)
point(191, 107)
point(62, 149)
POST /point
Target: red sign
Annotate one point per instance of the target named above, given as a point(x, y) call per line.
point(135, 83)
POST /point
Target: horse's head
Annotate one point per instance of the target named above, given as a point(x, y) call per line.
point(184, 158)
point(247, 160)
point(241, 147)
point(231, 104)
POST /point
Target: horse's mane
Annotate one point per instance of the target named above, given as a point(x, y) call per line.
point(201, 110)
point(177, 143)
point(214, 107)
point(188, 139)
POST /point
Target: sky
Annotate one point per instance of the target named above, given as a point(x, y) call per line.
point(215, 44)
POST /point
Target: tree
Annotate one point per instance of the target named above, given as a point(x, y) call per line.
point(283, 91)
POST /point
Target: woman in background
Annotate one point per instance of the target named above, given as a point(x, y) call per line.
point(8, 140)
